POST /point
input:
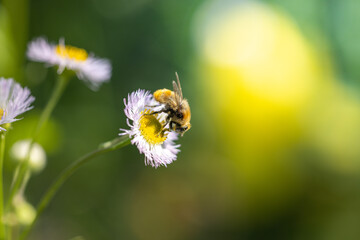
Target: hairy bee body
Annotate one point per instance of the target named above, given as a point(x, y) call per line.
point(176, 107)
point(165, 96)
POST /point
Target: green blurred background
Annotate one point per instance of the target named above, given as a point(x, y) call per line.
point(274, 92)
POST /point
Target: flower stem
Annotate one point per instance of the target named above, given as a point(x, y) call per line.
point(117, 143)
point(2, 150)
point(61, 84)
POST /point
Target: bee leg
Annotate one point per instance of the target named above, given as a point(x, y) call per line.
point(165, 110)
point(156, 112)
point(168, 118)
point(152, 106)
point(165, 130)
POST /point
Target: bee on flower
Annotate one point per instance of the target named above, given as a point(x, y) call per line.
point(175, 106)
point(14, 100)
point(148, 131)
point(94, 71)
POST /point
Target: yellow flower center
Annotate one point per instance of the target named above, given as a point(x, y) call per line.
point(1, 113)
point(151, 129)
point(71, 52)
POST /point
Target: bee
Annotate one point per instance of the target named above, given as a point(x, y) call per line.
point(176, 107)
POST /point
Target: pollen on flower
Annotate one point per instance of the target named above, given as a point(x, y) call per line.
point(71, 52)
point(1, 113)
point(151, 128)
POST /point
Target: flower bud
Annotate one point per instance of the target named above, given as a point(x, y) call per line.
point(37, 155)
point(25, 212)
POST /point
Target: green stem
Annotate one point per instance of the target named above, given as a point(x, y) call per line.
point(117, 143)
point(61, 84)
point(24, 182)
point(2, 150)
point(17, 12)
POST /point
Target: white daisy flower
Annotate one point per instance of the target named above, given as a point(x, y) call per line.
point(14, 100)
point(147, 130)
point(94, 71)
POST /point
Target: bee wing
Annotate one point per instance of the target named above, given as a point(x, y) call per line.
point(178, 82)
point(177, 90)
point(177, 93)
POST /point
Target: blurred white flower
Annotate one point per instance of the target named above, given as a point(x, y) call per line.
point(94, 71)
point(147, 130)
point(37, 157)
point(14, 100)
point(24, 211)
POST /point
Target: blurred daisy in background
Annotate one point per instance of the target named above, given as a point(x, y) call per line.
point(14, 100)
point(148, 131)
point(94, 71)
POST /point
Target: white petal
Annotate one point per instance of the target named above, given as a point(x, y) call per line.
point(14, 100)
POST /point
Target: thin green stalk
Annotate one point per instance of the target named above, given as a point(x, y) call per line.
point(2, 150)
point(61, 84)
point(117, 143)
point(24, 183)
point(17, 13)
